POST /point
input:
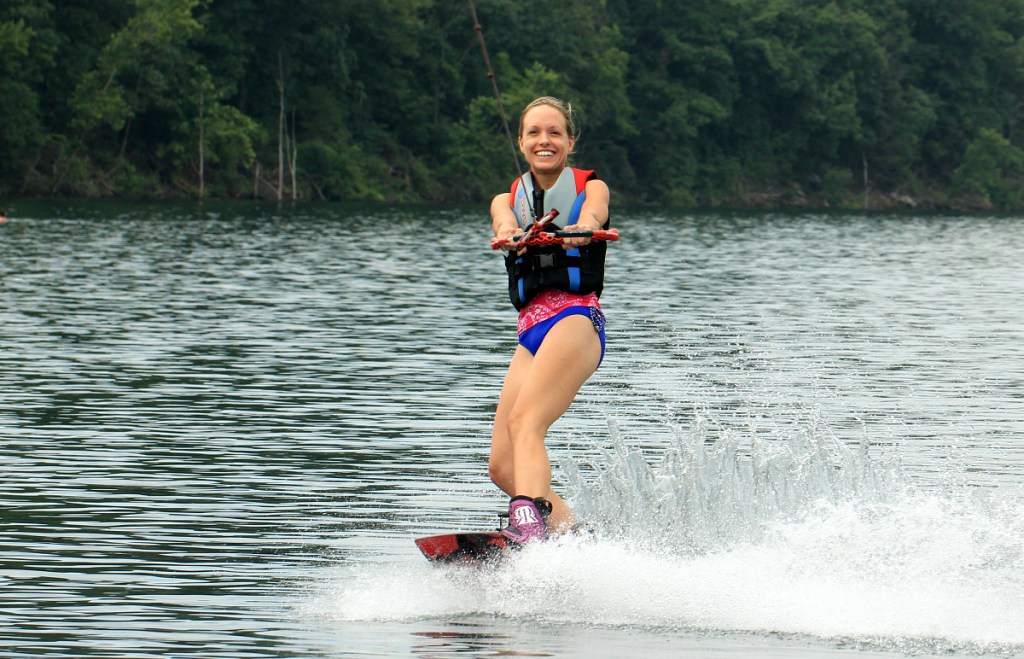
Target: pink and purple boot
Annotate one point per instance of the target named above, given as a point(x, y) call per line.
point(526, 520)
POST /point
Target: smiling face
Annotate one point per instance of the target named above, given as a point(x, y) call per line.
point(545, 139)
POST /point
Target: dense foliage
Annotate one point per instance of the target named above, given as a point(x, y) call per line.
point(710, 102)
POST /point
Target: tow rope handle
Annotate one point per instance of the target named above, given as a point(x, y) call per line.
point(555, 238)
point(536, 235)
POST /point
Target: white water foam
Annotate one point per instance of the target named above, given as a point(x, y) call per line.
point(808, 538)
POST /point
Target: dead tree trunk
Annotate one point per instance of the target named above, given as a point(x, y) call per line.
point(202, 146)
point(281, 135)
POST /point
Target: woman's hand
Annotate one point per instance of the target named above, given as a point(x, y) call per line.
point(507, 236)
point(592, 216)
point(569, 243)
point(503, 221)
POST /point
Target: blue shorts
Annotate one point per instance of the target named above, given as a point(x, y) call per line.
point(533, 337)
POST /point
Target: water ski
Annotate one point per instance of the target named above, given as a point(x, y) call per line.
point(463, 547)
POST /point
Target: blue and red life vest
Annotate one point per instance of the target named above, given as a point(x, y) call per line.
point(575, 270)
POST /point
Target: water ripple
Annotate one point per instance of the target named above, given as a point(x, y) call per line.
point(203, 406)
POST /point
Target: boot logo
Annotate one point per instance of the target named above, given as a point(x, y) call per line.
point(525, 515)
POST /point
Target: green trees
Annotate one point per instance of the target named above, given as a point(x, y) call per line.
point(28, 43)
point(145, 80)
point(694, 102)
point(991, 172)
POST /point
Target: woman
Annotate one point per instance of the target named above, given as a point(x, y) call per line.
point(561, 327)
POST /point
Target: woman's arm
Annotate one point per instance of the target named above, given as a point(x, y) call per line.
point(503, 220)
point(594, 213)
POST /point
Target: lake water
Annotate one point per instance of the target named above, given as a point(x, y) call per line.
point(223, 425)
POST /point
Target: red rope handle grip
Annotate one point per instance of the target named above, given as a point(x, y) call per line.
point(557, 238)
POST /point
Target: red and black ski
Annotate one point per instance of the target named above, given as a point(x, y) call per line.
point(463, 547)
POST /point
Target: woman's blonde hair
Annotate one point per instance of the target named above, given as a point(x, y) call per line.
point(564, 108)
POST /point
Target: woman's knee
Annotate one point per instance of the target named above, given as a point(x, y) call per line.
point(524, 426)
point(501, 474)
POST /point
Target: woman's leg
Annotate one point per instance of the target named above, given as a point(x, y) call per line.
point(500, 465)
point(538, 389)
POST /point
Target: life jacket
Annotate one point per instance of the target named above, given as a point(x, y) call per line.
point(576, 270)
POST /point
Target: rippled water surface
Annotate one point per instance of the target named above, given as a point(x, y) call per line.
point(222, 427)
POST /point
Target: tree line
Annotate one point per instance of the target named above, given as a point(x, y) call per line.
point(840, 103)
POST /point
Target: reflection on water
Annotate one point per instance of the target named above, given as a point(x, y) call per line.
point(222, 425)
